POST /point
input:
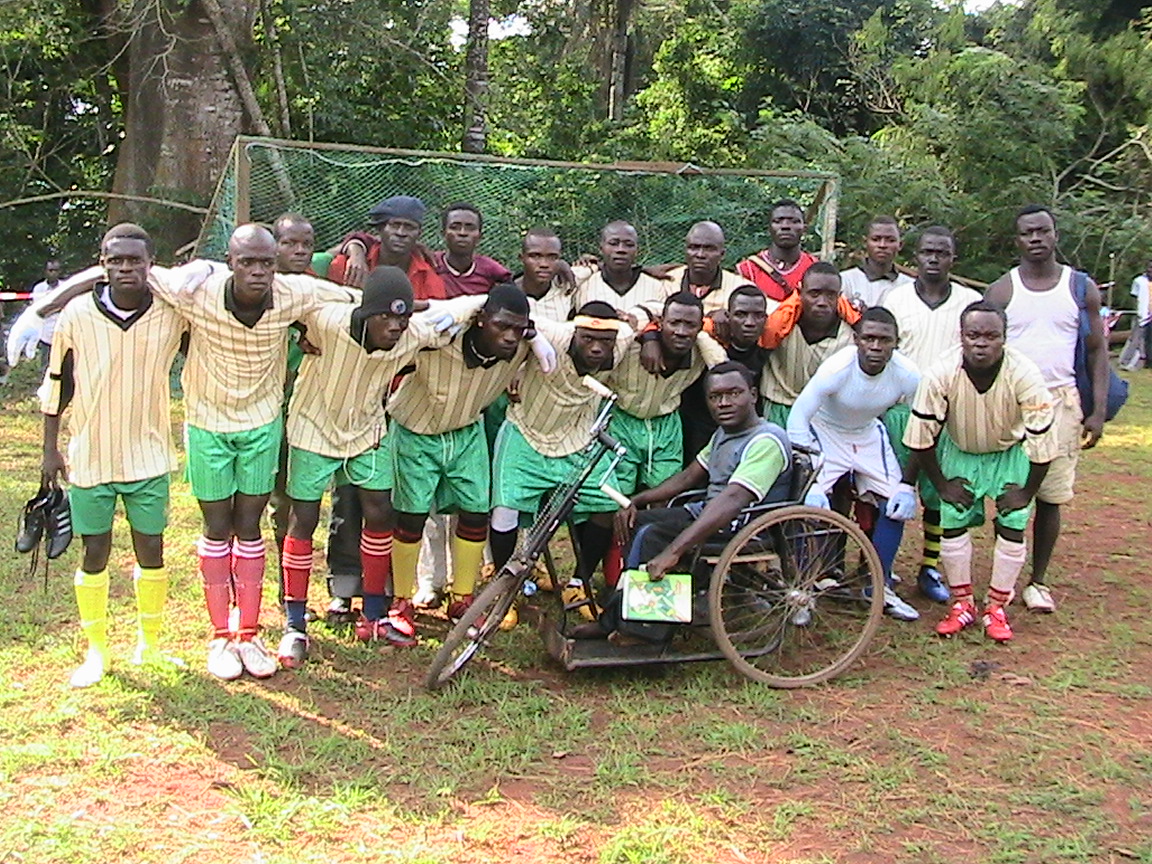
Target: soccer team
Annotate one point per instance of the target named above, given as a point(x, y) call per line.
point(442, 397)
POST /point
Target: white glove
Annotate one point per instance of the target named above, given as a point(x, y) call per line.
point(24, 337)
point(441, 320)
point(187, 278)
point(816, 498)
point(545, 353)
point(902, 504)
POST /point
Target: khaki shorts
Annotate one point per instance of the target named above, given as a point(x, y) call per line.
point(1061, 476)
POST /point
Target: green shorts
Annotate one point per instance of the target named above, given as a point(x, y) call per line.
point(986, 474)
point(309, 474)
point(896, 421)
point(777, 412)
point(493, 419)
point(521, 476)
point(445, 473)
point(655, 450)
point(145, 505)
point(220, 464)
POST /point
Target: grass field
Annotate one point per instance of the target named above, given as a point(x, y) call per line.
point(927, 751)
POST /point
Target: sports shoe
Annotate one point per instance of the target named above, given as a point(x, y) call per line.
point(57, 525)
point(32, 521)
point(1038, 598)
point(961, 615)
point(896, 608)
point(340, 611)
point(402, 616)
point(293, 649)
point(381, 630)
point(461, 604)
point(224, 660)
point(996, 624)
point(258, 660)
point(802, 617)
point(931, 585)
point(574, 593)
point(510, 620)
point(428, 598)
point(90, 672)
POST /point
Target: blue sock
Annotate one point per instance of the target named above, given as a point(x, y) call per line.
point(294, 610)
point(373, 606)
point(886, 537)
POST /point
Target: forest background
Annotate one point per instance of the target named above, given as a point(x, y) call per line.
point(927, 111)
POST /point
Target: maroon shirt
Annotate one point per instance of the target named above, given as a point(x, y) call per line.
point(479, 279)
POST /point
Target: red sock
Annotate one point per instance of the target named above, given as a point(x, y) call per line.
point(376, 560)
point(613, 563)
point(248, 571)
point(215, 560)
point(297, 566)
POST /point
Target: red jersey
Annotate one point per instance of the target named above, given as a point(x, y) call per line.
point(426, 282)
point(477, 279)
point(773, 281)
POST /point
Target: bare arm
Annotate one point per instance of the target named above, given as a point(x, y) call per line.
point(1096, 346)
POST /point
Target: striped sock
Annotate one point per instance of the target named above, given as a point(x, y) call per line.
point(1008, 560)
point(376, 564)
point(467, 556)
point(930, 556)
point(296, 565)
point(215, 561)
point(248, 573)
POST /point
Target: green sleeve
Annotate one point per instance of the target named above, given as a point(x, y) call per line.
point(760, 464)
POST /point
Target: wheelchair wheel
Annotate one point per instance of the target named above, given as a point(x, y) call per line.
point(476, 628)
point(796, 596)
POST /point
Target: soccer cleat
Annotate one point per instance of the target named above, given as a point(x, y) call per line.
point(32, 521)
point(996, 624)
point(402, 616)
point(257, 660)
point(293, 649)
point(574, 593)
point(1038, 598)
point(90, 672)
point(57, 525)
point(340, 611)
point(224, 660)
point(382, 630)
point(896, 608)
point(510, 620)
point(961, 615)
point(459, 606)
point(932, 586)
point(428, 598)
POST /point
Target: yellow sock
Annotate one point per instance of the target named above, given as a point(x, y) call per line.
point(151, 594)
point(92, 602)
point(467, 556)
point(404, 558)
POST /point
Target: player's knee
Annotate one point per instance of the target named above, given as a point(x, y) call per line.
point(304, 519)
point(504, 519)
point(246, 514)
point(378, 512)
point(149, 549)
point(97, 549)
point(1013, 535)
point(411, 523)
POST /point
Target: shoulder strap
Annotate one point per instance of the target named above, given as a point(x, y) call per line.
point(774, 274)
point(1079, 285)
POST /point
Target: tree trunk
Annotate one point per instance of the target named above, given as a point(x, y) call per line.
point(618, 71)
point(475, 137)
point(182, 111)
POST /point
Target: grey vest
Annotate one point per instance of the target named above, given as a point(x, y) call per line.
point(728, 448)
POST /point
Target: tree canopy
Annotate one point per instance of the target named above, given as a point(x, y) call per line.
point(931, 114)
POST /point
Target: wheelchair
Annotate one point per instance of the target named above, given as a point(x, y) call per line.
point(790, 595)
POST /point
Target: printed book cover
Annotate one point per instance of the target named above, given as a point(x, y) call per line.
point(669, 600)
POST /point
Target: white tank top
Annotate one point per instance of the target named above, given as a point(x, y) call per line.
point(1044, 325)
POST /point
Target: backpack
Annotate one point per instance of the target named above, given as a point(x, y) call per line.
point(1117, 387)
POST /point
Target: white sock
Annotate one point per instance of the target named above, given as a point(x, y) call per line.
point(1008, 558)
point(956, 559)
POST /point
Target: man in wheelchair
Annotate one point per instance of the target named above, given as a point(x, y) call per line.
point(747, 461)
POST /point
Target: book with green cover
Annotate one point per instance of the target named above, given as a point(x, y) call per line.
point(669, 600)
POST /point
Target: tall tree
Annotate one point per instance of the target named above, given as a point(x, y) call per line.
point(475, 138)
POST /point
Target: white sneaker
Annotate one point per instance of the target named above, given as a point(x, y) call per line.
point(293, 650)
point(224, 660)
point(145, 656)
point(1038, 598)
point(896, 608)
point(89, 672)
point(258, 661)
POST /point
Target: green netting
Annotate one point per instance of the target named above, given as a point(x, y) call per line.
point(336, 186)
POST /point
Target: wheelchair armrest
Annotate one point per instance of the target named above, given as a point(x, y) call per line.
point(687, 497)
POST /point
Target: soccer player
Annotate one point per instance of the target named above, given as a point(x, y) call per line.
point(779, 269)
point(441, 455)
point(982, 427)
point(747, 461)
point(1044, 325)
point(807, 328)
point(337, 426)
point(839, 412)
point(539, 444)
point(927, 313)
point(702, 273)
point(460, 268)
point(868, 284)
point(549, 295)
point(617, 280)
point(234, 391)
point(111, 356)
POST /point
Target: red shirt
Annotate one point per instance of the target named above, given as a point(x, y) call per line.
point(426, 282)
point(478, 279)
point(774, 282)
